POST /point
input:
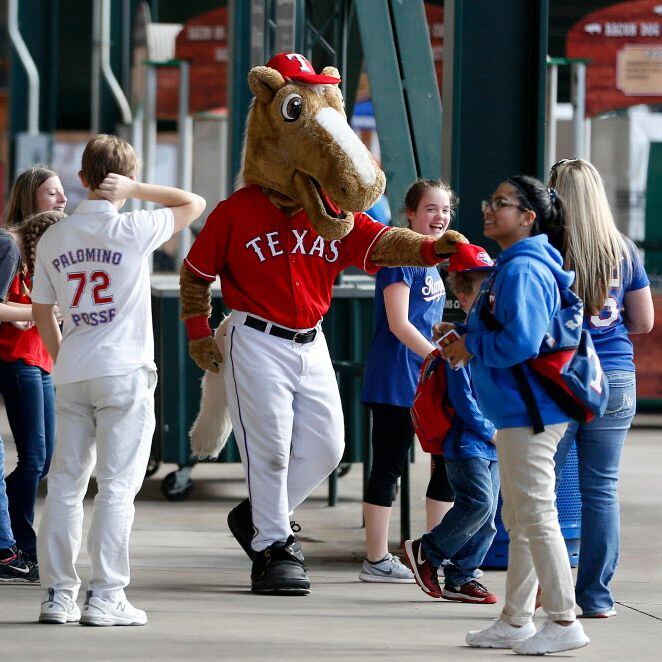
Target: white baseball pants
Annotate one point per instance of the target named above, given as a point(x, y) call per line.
point(110, 421)
point(287, 420)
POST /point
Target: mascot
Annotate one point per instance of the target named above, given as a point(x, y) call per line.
point(277, 244)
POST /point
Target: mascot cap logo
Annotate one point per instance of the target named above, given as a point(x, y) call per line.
point(470, 257)
point(297, 68)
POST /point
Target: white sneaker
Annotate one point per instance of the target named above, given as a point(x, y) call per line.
point(104, 612)
point(499, 634)
point(553, 638)
point(389, 570)
point(58, 609)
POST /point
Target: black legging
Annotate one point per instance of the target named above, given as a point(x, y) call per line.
point(392, 437)
point(439, 487)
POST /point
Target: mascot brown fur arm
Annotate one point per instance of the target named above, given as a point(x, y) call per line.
point(400, 247)
point(196, 307)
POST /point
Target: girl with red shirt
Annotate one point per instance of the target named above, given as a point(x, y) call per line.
point(25, 365)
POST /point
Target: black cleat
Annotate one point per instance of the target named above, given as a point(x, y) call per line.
point(16, 569)
point(240, 521)
point(279, 570)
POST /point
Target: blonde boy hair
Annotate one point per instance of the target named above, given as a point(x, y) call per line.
point(105, 154)
point(594, 249)
point(465, 282)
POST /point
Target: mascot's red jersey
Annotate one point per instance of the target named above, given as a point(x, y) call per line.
point(274, 265)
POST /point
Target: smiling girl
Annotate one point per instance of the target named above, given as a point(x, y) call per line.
point(35, 190)
point(505, 328)
point(25, 365)
point(408, 301)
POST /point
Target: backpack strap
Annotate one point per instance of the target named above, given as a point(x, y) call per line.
point(529, 399)
point(523, 385)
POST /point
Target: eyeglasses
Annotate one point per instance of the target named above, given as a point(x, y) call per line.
point(497, 204)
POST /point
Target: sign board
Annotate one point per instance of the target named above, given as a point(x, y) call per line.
point(203, 41)
point(639, 70)
point(623, 44)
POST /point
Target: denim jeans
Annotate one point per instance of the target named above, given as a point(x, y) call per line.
point(6, 536)
point(467, 530)
point(599, 448)
point(30, 401)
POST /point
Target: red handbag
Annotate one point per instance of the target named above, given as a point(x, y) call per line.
point(431, 412)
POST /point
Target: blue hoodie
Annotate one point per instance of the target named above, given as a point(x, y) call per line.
point(523, 297)
point(471, 433)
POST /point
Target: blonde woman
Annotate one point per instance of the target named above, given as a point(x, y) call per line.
point(612, 281)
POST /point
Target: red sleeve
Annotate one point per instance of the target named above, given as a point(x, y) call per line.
point(207, 255)
point(360, 242)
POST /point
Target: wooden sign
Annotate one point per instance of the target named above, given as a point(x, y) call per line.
point(203, 41)
point(624, 45)
point(639, 71)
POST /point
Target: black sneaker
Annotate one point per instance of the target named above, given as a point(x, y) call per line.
point(240, 521)
point(15, 569)
point(279, 570)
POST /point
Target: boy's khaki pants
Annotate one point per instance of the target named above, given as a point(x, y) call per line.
point(108, 421)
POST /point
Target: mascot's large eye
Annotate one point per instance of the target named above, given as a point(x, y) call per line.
point(292, 107)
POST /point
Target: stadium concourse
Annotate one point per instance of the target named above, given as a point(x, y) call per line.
point(188, 573)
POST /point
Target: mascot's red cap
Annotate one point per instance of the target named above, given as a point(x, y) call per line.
point(470, 257)
point(297, 68)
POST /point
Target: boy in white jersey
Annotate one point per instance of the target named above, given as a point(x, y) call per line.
point(95, 268)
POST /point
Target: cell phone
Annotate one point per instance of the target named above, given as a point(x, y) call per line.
point(448, 339)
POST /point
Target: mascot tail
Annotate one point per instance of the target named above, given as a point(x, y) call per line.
point(212, 426)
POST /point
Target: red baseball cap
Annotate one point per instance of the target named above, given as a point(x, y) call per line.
point(470, 257)
point(297, 68)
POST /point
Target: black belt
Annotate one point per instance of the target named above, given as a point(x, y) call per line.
point(301, 337)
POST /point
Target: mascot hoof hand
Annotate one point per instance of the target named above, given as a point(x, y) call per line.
point(205, 353)
point(446, 244)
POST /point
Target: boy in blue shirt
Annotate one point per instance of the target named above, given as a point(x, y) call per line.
point(465, 534)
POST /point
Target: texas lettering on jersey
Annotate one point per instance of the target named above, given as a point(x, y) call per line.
point(275, 265)
point(272, 245)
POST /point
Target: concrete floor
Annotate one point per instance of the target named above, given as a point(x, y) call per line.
point(192, 579)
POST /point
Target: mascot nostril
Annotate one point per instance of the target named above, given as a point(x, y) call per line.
point(278, 243)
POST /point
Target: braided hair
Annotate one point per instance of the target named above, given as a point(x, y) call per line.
point(31, 231)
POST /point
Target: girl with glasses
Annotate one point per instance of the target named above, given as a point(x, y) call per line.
point(505, 328)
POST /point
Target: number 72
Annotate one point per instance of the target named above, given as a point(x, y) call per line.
point(101, 281)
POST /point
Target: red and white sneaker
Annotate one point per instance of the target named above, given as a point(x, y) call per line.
point(425, 573)
point(472, 591)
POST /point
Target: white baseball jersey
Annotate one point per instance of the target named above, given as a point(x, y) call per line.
point(93, 264)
